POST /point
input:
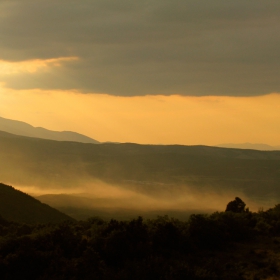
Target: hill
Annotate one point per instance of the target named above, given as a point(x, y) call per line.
point(261, 147)
point(24, 129)
point(20, 207)
point(142, 176)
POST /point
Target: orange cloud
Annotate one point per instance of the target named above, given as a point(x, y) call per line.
point(31, 66)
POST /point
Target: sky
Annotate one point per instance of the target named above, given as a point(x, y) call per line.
point(158, 71)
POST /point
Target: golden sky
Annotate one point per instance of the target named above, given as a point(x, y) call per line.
point(174, 119)
point(147, 72)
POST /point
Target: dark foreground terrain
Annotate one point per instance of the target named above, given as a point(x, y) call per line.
point(21, 207)
point(236, 244)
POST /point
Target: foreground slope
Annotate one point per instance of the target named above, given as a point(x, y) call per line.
point(24, 129)
point(20, 207)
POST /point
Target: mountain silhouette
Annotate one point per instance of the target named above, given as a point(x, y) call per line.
point(25, 129)
point(250, 146)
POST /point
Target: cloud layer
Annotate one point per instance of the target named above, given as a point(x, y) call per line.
point(145, 47)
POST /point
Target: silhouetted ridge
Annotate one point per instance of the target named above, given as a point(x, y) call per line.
point(250, 146)
point(25, 129)
point(21, 207)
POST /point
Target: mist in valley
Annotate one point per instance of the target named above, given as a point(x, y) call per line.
point(97, 198)
point(83, 180)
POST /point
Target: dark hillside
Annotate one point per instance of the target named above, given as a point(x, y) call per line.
point(150, 169)
point(20, 207)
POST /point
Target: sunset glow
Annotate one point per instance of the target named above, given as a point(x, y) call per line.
point(158, 119)
point(31, 66)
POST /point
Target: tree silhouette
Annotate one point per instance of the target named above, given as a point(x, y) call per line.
point(237, 206)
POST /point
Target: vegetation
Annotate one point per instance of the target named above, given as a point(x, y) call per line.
point(234, 244)
point(223, 245)
point(237, 206)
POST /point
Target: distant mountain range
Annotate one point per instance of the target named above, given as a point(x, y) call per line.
point(25, 129)
point(152, 175)
point(251, 146)
point(138, 173)
point(20, 207)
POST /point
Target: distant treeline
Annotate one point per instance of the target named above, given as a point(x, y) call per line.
point(205, 247)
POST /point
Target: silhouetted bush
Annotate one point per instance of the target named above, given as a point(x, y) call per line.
point(237, 206)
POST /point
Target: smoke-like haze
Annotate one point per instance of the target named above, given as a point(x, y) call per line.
point(139, 178)
point(98, 194)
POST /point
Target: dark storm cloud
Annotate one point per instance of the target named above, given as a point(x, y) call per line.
point(127, 47)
